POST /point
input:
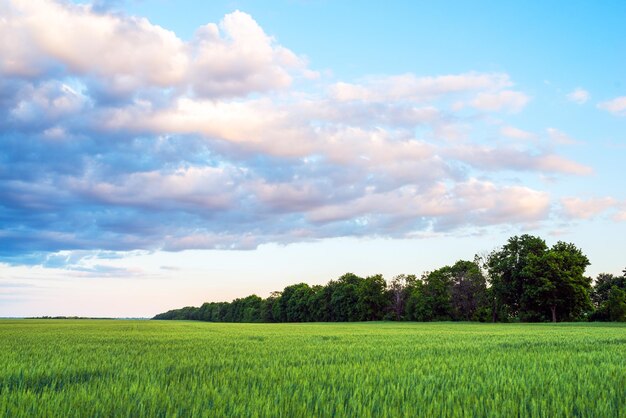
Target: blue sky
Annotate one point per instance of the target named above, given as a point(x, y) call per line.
point(155, 154)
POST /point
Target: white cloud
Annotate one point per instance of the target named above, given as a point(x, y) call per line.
point(559, 137)
point(578, 96)
point(575, 207)
point(125, 53)
point(515, 133)
point(507, 100)
point(413, 88)
point(616, 106)
point(194, 188)
point(50, 100)
point(244, 59)
point(507, 158)
point(136, 139)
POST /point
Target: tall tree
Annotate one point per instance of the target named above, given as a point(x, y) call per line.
point(616, 304)
point(558, 281)
point(372, 298)
point(468, 292)
point(607, 295)
point(296, 303)
point(399, 289)
point(345, 299)
point(510, 277)
point(436, 295)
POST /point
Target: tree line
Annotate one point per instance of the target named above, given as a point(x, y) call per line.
point(524, 280)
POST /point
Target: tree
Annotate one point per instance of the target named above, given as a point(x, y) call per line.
point(510, 277)
point(616, 304)
point(436, 295)
point(296, 303)
point(558, 282)
point(602, 287)
point(269, 306)
point(415, 309)
point(345, 299)
point(399, 290)
point(468, 293)
point(372, 299)
point(606, 297)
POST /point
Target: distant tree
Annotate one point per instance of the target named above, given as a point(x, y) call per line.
point(372, 298)
point(616, 304)
point(436, 295)
point(345, 298)
point(267, 308)
point(322, 308)
point(557, 282)
point(523, 280)
point(251, 309)
point(468, 292)
point(398, 291)
point(606, 297)
point(296, 303)
point(415, 309)
point(602, 287)
point(510, 277)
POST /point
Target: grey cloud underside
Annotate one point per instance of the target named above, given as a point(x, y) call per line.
point(195, 155)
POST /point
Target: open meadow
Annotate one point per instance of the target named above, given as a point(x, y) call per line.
point(109, 368)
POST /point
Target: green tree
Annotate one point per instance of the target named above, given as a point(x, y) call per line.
point(603, 285)
point(398, 293)
point(372, 298)
point(415, 309)
point(436, 295)
point(558, 283)
point(616, 304)
point(296, 303)
point(344, 301)
point(468, 292)
point(511, 279)
point(606, 297)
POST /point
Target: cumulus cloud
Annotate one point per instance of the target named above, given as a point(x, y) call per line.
point(578, 96)
point(615, 106)
point(413, 88)
point(124, 54)
point(515, 133)
point(560, 137)
point(578, 208)
point(507, 100)
point(129, 138)
point(490, 158)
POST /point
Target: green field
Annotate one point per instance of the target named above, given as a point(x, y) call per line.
point(164, 368)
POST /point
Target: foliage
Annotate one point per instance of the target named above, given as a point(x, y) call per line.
point(524, 280)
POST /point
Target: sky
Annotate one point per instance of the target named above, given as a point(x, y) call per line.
point(159, 154)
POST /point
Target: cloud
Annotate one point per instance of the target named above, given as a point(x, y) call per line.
point(560, 138)
point(616, 106)
point(507, 100)
point(129, 138)
point(578, 96)
point(578, 208)
point(126, 54)
point(515, 133)
point(489, 158)
point(413, 88)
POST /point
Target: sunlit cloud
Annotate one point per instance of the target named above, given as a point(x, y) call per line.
point(578, 208)
point(615, 106)
point(578, 96)
point(129, 138)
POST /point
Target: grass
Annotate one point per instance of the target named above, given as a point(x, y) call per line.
point(104, 368)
